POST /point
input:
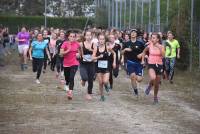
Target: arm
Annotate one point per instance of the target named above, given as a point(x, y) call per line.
point(47, 51)
point(30, 52)
point(63, 52)
point(143, 54)
point(178, 53)
point(94, 57)
point(114, 57)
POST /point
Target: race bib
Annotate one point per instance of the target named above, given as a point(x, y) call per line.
point(102, 64)
point(87, 57)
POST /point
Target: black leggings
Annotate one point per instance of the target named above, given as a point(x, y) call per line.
point(53, 62)
point(69, 73)
point(59, 63)
point(114, 72)
point(87, 72)
point(37, 64)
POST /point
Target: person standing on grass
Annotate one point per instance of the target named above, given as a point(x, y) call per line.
point(155, 64)
point(36, 53)
point(70, 49)
point(23, 39)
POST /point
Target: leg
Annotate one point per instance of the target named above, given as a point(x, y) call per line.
point(67, 74)
point(84, 73)
point(34, 65)
point(39, 70)
point(73, 71)
point(172, 65)
point(91, 72)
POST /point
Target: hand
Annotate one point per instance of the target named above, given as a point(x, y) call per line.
point(100, 56)
point(31, 58)
point(128, 49)
point(178, 56)
point(122, 61)
point(114, 65)
point(49, 58)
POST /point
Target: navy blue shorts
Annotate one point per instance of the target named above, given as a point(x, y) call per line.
point(134, 67)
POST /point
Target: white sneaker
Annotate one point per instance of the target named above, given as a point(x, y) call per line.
point(66, 87)
point(37, 81)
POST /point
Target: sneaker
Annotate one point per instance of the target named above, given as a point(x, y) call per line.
point(37, 81)
point(107, 88)
point(88, 97)
point(148, 89)
point(82, 83)
point(25, 66)
point(102, 98)
point(66, 87)
point(57, 74)
point(69, 95)
point(22, 67)
point(155, 100)
point(136, 91)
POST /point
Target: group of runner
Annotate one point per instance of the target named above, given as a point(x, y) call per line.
point(100, 54)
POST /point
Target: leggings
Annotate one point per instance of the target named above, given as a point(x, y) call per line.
point(37, 64)
point(69, 73)
point(87, 72)
point(53, 62)
point(59, 63)
point(169, 66)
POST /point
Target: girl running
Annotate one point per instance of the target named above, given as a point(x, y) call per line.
point(69, 50)
point(47, 41)
point(87, 66)
point(36, 53)
point(23, 45)
point(155, 64)
point(100, 54)
point(52, 45)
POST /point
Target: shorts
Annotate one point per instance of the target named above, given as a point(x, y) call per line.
point(23, 48)
point(157, 68)
point(134, 67)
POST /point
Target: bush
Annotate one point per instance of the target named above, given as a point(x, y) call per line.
point(16, 22)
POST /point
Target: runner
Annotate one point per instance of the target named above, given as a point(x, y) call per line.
point(172, 51)
point(47, 40)
point(36, 53)
point(69, 50)
point(59, 58)
point(155, 64)
point(52, 45)
point(100, 54)
point(132, 51)
point(87, 66)
point(23, 38)
point(114, 44)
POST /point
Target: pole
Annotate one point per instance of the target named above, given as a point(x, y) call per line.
point(149, 16)
point(199, 46)
point(178, 14)
point(130, 14)
point(125, 14)
point(191, 34)
point(45, 16)
point(142, 13)
point(116, 18)
point(158, 14)
point(112, 13)
point(108, 14)
point(120, 16)
point(136, 5)
point(167, 16)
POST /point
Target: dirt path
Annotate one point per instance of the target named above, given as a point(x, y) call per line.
point(27, 108)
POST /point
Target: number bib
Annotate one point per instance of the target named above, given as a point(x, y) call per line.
point(102, 64)
point(87, 58)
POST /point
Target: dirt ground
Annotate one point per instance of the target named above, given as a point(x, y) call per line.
point(28, 108)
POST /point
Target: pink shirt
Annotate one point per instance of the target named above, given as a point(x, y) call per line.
point(155, 55)
point(70, 58)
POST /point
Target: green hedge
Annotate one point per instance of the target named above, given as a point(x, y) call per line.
point(15, 22)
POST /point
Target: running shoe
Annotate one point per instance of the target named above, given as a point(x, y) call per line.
point(155, 100)
point(102, 98)
point(88, 97)
point(107, 88)
point(148, 89)
point(69, 95)
point(37, 81)
point(66, 87)
point(136, 91)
